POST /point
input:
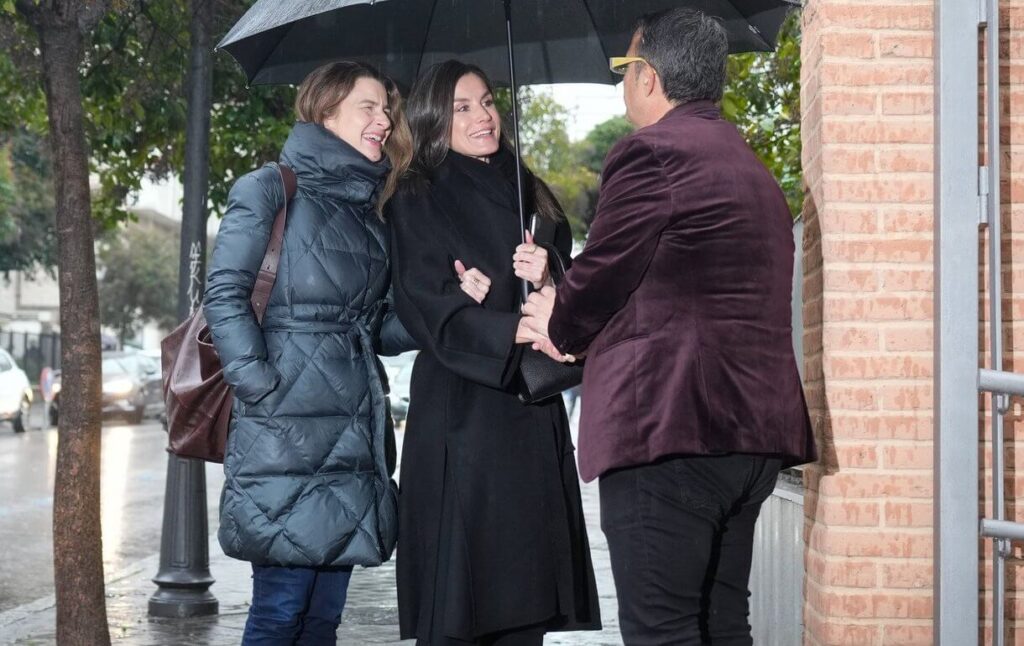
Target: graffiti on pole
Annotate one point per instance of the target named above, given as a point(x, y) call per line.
point(195, 281)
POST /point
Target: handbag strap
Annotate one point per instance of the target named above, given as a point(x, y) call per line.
point(268, 268)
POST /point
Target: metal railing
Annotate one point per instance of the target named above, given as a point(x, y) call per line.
point(958, 378)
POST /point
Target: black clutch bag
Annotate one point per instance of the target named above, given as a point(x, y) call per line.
point(540, 376)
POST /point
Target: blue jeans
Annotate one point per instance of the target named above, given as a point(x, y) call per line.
point(295, 606)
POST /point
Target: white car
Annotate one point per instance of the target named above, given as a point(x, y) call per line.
point(15, 393)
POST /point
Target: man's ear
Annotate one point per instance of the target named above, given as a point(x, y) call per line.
point(649, 80)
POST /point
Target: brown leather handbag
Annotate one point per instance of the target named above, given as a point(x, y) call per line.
point(197, 397)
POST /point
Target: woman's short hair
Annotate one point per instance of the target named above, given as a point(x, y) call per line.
point(326, 87)
point(431, 110)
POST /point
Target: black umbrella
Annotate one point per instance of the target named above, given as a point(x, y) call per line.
point(553, 41)
point(556, 41)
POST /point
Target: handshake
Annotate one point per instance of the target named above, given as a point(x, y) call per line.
point(533, 327)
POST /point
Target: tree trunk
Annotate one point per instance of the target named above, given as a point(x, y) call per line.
point(77, 534)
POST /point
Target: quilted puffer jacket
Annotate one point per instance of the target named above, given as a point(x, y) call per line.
point(311, 450)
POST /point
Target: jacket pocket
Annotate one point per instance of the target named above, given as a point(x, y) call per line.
point(628, 339)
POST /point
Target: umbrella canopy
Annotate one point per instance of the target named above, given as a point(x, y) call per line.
point(556, 41)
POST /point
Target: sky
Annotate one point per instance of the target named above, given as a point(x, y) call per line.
point(589, 103)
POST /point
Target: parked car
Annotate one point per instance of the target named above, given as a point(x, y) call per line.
point(132, 387)
point(15, 393)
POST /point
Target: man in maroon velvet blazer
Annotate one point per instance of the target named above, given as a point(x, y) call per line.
point(681, 303)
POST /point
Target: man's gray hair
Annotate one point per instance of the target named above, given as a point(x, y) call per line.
point(688, 50)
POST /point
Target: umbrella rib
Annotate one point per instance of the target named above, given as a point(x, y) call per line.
point(423, 46)
point(753, 31)
point(600, 41)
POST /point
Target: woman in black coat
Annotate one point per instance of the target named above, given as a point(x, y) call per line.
point(493, 543)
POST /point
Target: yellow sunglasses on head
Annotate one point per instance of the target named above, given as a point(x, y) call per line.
point(619, 64)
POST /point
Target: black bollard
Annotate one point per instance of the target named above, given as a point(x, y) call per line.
point(184, 578)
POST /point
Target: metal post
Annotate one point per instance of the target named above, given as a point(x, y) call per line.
point(1000, 402)
point(184, 577)
point(956, 322)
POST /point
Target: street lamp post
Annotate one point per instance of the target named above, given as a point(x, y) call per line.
point(184, 579)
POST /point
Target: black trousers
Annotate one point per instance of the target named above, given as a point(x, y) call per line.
point(680, 535)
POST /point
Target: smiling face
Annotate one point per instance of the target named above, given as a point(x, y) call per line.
point(476, 126)
point(362, 118)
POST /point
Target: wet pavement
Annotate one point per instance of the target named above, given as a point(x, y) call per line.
point(134, 466)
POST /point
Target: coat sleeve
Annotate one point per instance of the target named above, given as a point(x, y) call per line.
point(634, 208)
point(394, 339)
point(466, 337)
point(241, 244)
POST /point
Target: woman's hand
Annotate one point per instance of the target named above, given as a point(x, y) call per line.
point(473, 282)
point(531, 262)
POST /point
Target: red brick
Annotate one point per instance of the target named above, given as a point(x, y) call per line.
point(919, 456)
point(850, 514)
point(908, 339)
point(847, 102)
point(883, 426)
point(843, 573)
point(906, 46)
point(857, 456)
point(877, 485)
point(837, 338)
point(909, 189)
point(905, 397)
point(861, 74)
point(907, 575)
point(910, 635)
point(905, 219)
point(834, 631)
point(902, 250)
point(840, 159)
point(877, 606)
point(848, 45)
point(907, 280)
point(906, 161)
point(908, 103)
point(851, 398)
point(851, 219)
point(878, 16)
point(909, 514)
point(878, 308)
point(869, 367)
point(912, 131)
point(850, 280)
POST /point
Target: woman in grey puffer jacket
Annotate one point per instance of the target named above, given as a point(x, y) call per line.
point(308, 490)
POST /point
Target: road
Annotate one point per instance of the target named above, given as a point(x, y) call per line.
point(134, 466)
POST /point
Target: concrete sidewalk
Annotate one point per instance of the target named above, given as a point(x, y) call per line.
point(371, 614)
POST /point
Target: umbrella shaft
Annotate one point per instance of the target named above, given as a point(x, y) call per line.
point(525, 287)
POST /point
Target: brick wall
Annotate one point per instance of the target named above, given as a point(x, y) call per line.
point(868, 294)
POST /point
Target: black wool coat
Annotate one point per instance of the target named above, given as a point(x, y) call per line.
point(307, 471)
point(492, 528)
